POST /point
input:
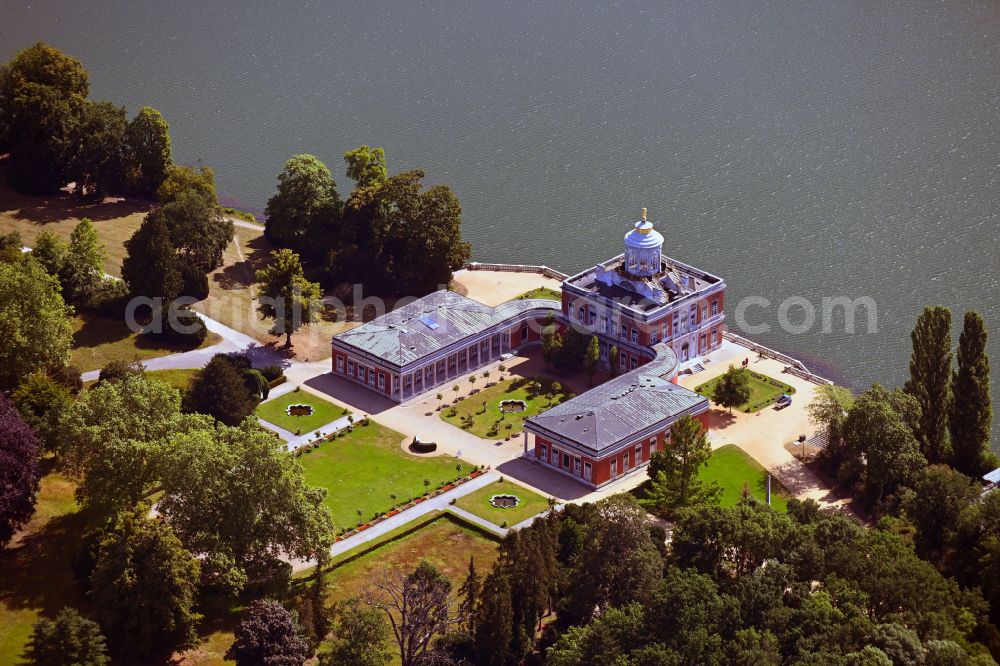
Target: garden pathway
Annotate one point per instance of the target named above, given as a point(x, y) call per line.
point(440, 503)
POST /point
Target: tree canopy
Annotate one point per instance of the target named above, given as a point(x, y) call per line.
point(268, 635)
point(35, 330)
point(20, 471)
point(286, 296)
point(68, 639)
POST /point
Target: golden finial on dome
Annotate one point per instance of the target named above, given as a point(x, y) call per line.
point(643, 214)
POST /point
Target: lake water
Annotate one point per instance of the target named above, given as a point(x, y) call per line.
point(815, 149)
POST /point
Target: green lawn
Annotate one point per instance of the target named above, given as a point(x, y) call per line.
point(764, 390)
point(274, 411)
point(179, 379)
point(478, 503)
point(362, 469)
point(100, 340)
point(35, 575)
point(488, 422)
point(541, 292)
point(735, 471)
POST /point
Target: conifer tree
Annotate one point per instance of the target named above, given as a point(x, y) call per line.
point(929, 383)
point(469, 592)
point(69, 639)
point(971, 410)
point(494, 630)
point(83, 268)
point(613, 360)
point(151, 267)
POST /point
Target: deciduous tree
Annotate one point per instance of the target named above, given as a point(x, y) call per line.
point(360, 637)
point(41, 401)
point(972, 409)
point(144, 586)
point(148, 138)
point(286, 296)
point(366, 166)
point(20, 470)
point(828, 409)
point(35, 330)
point(42, 94)
point(268, 635)
point(306, 200)
point(100, 155)
point(418, 606)
point(69, 639)
point(240, 524)
point(732, 389)
point(592, 357)
point(83, 267)
point(676, 483)
point(930, 381)
point(197, 229)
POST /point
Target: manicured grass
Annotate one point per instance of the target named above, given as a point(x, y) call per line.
point(490, 423)
point(541, 292)
point(363, 468)
point(764, 390)
point(99, 340)
point(274, 411)
point(735, 472)
point(478, 503)
point(35, 575)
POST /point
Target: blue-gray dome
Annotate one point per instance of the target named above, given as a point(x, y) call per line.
point(643, 236)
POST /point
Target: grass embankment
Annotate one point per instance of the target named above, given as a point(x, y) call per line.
point(99, 340)
point(764, 390)
point(488, 421)
point(364, 468)
point(478, 503)
point(736, 473)
point(541, 292)
point(276, 411)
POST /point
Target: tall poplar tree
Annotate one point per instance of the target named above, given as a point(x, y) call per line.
point(930, 380)
point(971, 409)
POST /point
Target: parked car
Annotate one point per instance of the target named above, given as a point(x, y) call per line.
point(784, 401)
point(506, 357)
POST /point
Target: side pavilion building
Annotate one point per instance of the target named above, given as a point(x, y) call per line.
point(433, 340)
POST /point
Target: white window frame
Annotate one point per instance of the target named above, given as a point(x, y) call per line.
point(381, 381)
point(340, 364)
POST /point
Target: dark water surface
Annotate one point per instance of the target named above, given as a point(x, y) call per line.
point(837, 148)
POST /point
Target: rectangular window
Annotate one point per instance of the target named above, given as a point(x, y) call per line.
point(565, 460)
point(714, 331)
point(543, 452)
point(614, 327)
point(625, 331)
point(635, 335)
point(340, 364)
point(614, 468)
point(715, 308)
point(652, 337)
point(638, 453)
point(587, 471)
point(635, 362)
point(623, 360)
point(524, 333)
point(576, 465)
point(704, 312)
point(625, 464)
point(604, 324)
point(381, 381)
point(555, 456)
point(652, 447)
point(350, 367)
point(581, 313)
point(593, 318)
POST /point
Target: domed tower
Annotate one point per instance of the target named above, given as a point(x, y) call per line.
point(642, 249)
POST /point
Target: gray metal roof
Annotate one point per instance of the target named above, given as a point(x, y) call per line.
point(429, 324)
point(618, 409)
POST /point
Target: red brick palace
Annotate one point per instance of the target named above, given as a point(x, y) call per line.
point(660, 314)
